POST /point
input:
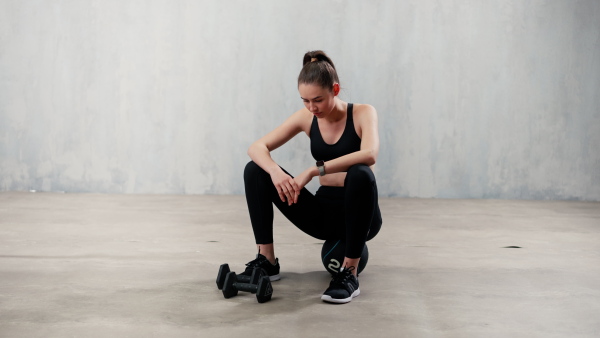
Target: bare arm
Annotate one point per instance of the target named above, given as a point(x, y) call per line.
point(260, 153)
point(369, 144)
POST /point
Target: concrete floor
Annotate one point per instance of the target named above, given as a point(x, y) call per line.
point(87, 265)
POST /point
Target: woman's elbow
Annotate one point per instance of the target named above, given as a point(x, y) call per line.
point(371, 158)
point(256, 149)
point(251, 149)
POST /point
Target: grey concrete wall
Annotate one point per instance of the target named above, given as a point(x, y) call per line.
point(477, 99)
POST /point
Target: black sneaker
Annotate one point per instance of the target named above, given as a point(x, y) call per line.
point(263, 262)
point(342, 288)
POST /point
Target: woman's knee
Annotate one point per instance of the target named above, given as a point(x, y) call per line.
point(251, 170)
point(360, 174)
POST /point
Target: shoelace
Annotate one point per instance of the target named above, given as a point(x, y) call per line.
point(342, 276)
point(256, 262)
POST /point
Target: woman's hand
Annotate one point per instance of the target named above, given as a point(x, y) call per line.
point(303, 179)
point(286, 186)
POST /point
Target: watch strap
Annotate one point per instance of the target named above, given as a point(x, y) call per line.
point(321, 167)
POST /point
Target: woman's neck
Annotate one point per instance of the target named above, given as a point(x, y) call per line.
point(338, 112)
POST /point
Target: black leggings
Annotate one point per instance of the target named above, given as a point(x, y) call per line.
point(350, 213)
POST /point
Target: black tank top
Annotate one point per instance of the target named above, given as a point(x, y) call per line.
point(348, 143)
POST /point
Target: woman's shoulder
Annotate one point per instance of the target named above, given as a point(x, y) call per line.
point(303, 115)
point(303, 118)
point(363, 111)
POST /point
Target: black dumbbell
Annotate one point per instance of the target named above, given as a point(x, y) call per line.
point(263, 289)
point(224, 270)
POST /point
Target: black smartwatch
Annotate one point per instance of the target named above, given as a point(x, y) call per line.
point(321, 167)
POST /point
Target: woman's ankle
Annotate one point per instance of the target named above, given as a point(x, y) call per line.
point(267, 250)
point(351, 262)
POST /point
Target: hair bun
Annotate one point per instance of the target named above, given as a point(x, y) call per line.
point(317, 68)
point(315, 56)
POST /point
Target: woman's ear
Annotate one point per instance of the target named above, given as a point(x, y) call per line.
point(336, 89)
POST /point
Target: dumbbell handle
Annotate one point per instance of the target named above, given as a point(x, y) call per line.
point(243, 278)
point(247, 287)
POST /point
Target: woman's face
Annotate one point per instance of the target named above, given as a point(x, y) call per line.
point(318, 100)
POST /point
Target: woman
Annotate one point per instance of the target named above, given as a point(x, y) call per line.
point(345, 143)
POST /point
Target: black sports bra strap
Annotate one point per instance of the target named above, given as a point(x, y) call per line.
point(350, 106)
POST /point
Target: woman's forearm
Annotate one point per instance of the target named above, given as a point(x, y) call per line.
point(342, 163)
point(261, 156)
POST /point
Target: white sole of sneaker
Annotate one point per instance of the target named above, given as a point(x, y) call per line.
point(274, 278)
point(328, 299)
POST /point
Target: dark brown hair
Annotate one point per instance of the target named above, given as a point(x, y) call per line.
point(320, 71)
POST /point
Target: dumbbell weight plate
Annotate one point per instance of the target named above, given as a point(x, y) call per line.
point(265, 290)
point(223, 271)
point(229, 290)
